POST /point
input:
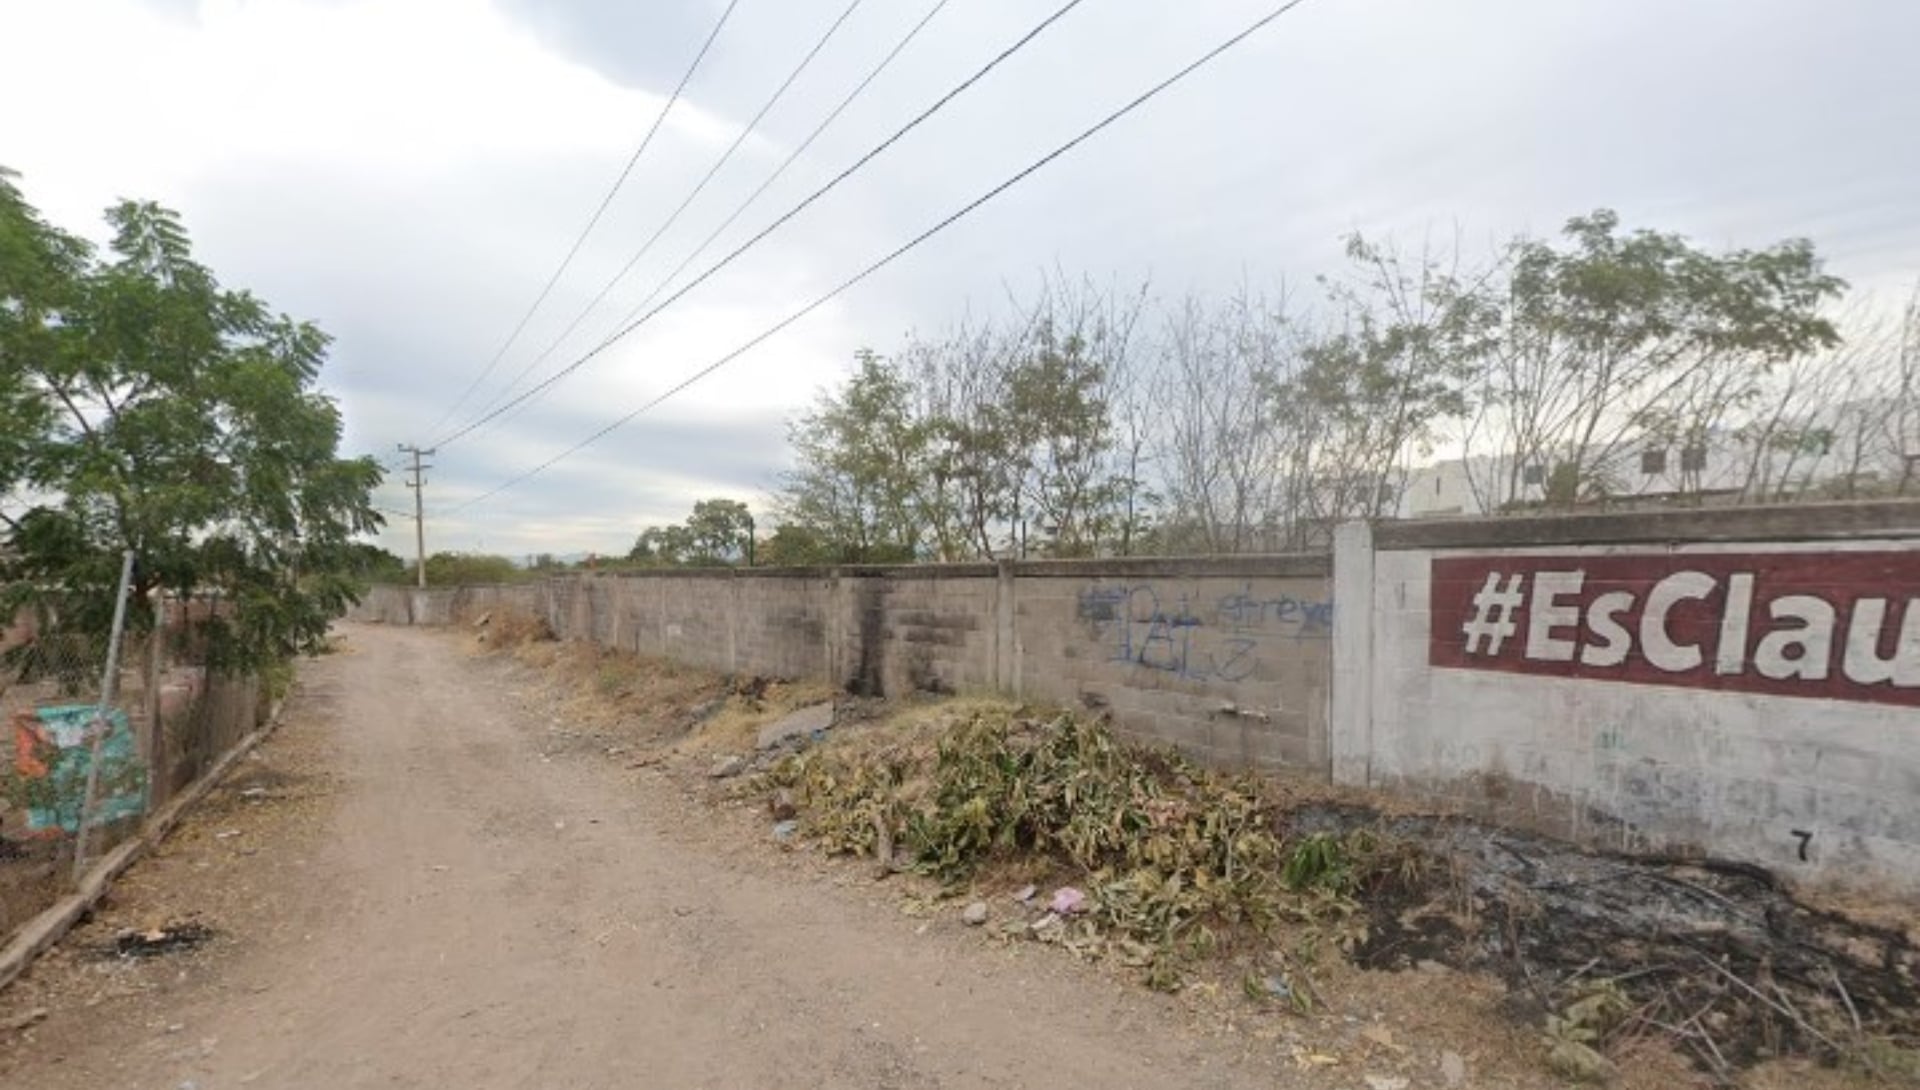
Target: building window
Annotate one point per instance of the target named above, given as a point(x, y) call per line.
point(1817, 441)
point(1653, 462)
point(1693, 459)
point(1436, 483)
point(1386, 494)
point(1534, 474)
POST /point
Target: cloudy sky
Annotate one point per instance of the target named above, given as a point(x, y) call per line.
point(407, 173)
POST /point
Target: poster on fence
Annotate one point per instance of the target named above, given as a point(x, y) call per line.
point(53, 747)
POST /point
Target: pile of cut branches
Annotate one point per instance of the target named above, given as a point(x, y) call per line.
point(1172, 856)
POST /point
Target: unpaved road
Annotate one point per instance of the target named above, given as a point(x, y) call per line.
point(473, 909)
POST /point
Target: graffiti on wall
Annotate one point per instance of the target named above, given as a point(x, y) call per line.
point(1841, 625)
point(1197, 636)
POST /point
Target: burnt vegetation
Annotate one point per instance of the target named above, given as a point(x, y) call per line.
point(1181, 866)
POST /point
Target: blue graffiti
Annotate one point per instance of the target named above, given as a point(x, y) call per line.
point(1142, 629)
point(1309, 620)
point(1238, 662)
point(1098, 603)
point(1167, 640)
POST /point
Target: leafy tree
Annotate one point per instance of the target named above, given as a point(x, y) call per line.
point(1076, 354)
point(373, 564)
point(1263, 421)
point(470, 569)
point(796, 546)
point(860, 455)
point(968, 485)
point(719, 532)
point(1280, 419)
point(1613, 339)
point(145, 407)
point(661, 547)
point(1388, 363)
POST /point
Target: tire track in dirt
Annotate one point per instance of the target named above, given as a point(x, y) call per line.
point(475, 915)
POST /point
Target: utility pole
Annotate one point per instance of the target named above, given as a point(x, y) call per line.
point(419, 486)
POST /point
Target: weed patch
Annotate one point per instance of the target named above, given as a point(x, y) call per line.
point(1176, 859)
point(1602, 953)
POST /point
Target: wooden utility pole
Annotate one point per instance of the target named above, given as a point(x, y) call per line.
point(419, 486)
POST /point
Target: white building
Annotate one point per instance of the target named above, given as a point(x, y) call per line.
point(1868, 451)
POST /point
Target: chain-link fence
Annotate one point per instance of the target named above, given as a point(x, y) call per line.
point(75, 731)
point(196, 714)
point(98, 737)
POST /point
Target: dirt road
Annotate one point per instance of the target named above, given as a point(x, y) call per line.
point(475, 907)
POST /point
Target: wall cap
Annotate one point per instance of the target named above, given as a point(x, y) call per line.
point(1760, 524)
point(1280, 565)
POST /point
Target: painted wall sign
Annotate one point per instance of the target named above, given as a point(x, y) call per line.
point(1836, 625)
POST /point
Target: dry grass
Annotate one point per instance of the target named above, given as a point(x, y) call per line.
point(663, 703)
point(735, 727)
point(1181, 911)
point(508, 630)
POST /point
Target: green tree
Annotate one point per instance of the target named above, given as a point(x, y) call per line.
point(661, 547)
point(1368, 387)
point(1062, 435)
point(470, 569)
point(145, 407)
point(1033, 425)
point(796, 546)
point(373, 564)
point(719, 532)
point(1611, 339)
point(860, 453)
point(968, 489)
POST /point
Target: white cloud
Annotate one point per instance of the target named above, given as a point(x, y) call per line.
point(407, 173)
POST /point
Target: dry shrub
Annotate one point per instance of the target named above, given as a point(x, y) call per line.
point(509, 629)
point(1172, 856)
point(749, 704)
point(668, 702)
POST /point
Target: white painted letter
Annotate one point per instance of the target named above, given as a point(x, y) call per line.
point(1813, 638)
point(1603, 620)
point(1655, 643)
point(1862, 662)
point(1732, 657)
point(1544, 614)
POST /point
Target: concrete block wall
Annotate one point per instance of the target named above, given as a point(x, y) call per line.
point(781, 624)
point(445, 605)
point(1746, 683)
point(1226, 659)
point(928, 629)
point(1743, 682)
point(695, 619)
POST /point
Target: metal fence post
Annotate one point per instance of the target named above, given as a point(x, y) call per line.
point(156, 729)
point(108, 683)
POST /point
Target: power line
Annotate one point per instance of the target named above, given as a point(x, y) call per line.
point(674, 217)
point(795, 154)
point(548, 382)
point(950, 220)
point(592, 222)
point(741, 209)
